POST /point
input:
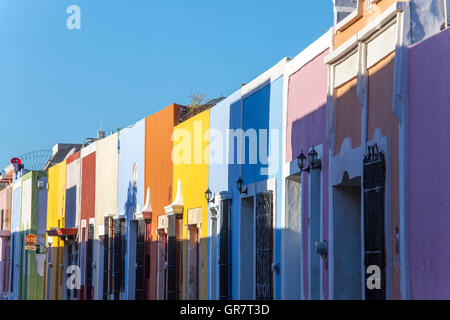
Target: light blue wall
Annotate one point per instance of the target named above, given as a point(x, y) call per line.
point(131, 151)
point(223, 174)
point(219, 173)
point(129, 197)
point(276, 123)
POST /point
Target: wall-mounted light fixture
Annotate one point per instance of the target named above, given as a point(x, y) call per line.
point(240, 186)
point(322, 250)
point(209, 196)
point(314, 162)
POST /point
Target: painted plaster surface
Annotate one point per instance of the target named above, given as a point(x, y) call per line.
point(5, 206)
point(306, 114)
point(33, 207)
point(368, 15)
point(194, 182)
point(262, 111)
point(106, 173)
point(55, 219)
point(16, 237)
point(158, 175)
point(88, 184)
point(224, 171)
point(73, 191)
point(306, 120)
point(130, 196)
point(428, 171)
point(348, 116)
point(381, 116)
point(131, 151)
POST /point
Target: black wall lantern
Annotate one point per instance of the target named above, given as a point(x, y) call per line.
point(314, 162)
point(240, 186)
point(209, 196)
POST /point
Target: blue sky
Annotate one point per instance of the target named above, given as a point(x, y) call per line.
point(132, 58)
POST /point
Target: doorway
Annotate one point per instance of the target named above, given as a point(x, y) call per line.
point(347, 239)
point(192, 290)
point(293, 252)
point(161, 290)
point(264, 245)
point(246, 246)
point(140, 260)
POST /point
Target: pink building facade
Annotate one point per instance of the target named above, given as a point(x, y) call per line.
point(306, 193)
point(428, 187)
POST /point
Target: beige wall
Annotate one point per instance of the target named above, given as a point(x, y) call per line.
point(106, 179)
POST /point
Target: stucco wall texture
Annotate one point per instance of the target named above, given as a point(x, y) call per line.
point(158, 175)
point(306, 120)
point(88, 186)
point(131, 151)
point(368, 15)
point(106, 173)
point(222, 175)
point(32, 206)
point(194, 182)
point(73, 191)
point(381, 116)
point(56, 200)
point(428, 220)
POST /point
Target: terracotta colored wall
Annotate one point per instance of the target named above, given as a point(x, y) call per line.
point(88, 187)
point(382, 117)
point(348, 116)
point(367, 17)
point(158, 174)
point(428, 218)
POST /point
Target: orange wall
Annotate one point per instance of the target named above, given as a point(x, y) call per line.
point(159, 174)
point(348, 115)
point(367, 16)
point(381, 116)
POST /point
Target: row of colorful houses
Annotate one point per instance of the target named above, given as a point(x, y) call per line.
point(323, 170)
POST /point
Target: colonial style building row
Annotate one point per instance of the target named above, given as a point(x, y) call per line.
point(321, 172)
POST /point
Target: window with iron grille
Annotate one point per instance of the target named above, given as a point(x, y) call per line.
point(140, 253)
point(123, 239)
point(117, 265)
point(89, 262)
point(225, 250)
point(264, 245)
point(374, 203)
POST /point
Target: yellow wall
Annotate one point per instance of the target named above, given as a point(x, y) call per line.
point(55, 218)
point(194, 182)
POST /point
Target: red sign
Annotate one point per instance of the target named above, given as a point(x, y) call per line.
point(30, 239)
point(16, 161)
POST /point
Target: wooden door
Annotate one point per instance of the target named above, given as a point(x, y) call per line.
point(162, 270)
point(192, 289)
